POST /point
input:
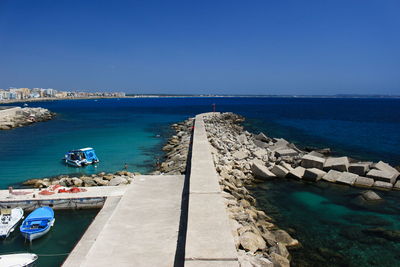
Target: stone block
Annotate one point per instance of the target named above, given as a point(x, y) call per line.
point(315, 153)
point(347, 178)
point(279, 144)
point(286, 152)
point(382, 185)
point(260, 153)
point(360, 168)
point(287, 166)
point(331, 176)
point(371, 196)
point(260, 143)
point(240, 154)
point(397, 185)
point(364, 182)
point(309, 161)
point(262, 137)
point(339, 164)
point(382, 166)
point(279, 171)
point(297, 173)
point(383, 176)
point(313, 174)
point(260, 171)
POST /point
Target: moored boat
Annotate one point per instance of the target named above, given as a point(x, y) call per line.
point(18, 260)
point(81, 157)
point(9, 218)
point(38, 223)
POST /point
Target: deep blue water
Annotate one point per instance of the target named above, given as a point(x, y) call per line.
point(324, 217)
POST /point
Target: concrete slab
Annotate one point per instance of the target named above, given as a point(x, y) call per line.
point(383, 176)
point(297, 173)
point(145, 223)
point(331, 176)
point(347, 178)
point(339, 164)
point(309, 161)
point(313, 174)
point(360, 168)
point(279, 171)
point(364, 182)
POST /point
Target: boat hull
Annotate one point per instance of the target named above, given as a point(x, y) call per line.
point(33, 236)
point(6, 228)
point(20, 259)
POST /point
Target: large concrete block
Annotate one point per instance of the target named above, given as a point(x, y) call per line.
point(339, 164)
point(313, 174)
point(382, 166)
point(309, 161)
point(383, 185)
point(280, 143)
point(397, 185)
point(383, 176)
point(240, 154)
point(297, 173)
point(347, 178)
point(262, 137)
point(331, 176)
point(360, 168)
point(364, 182)
point(286, 152)
point(279, 171)
point(260, 171)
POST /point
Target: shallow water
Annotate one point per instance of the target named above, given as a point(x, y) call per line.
point(53, 248)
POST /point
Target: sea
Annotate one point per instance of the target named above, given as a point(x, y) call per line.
point(334, 228)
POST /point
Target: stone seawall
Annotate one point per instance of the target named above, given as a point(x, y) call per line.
point(17, 117)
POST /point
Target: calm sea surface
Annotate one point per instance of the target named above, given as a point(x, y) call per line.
point(326, 219)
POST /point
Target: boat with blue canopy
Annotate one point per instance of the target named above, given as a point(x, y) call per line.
point(81, 157)
point(38, 223)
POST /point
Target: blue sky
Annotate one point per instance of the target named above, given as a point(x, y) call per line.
point(223, 47)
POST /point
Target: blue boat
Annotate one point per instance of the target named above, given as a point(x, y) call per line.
point(81, 157)
point(38, 223)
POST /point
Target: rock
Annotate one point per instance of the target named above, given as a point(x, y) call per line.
point(100, 181)
point(261, 171)
point(297, 173)
point(316, 154)
point(371, 196)
point(279, 261)
point(397, 185)
point(118, 180)
point(252, 242)
point(392, 235)
point(260, 153)
point(42, 183)
point(279, 144)
point(283, 237)
point(382, 166)
point(286, 152)
point(347, 178)
point(76, 181)
point(30, 182)
point(279, 171)
point(360, 168)
point(331, 176)
point(309, 161)
point(382, 185)
point(280, 249)
point(313, 174)
point(240, 154)
point(383, 176)
point(260, 144)
point(338, 164)
point(262, 137)
point(363, 182)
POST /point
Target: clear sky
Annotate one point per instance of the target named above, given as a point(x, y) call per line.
point(222, 47)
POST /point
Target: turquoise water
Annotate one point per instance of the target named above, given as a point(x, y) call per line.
point(326, 219)
point(53, 248)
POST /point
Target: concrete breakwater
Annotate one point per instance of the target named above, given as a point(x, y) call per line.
point(13, 117)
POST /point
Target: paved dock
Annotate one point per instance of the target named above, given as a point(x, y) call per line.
point(139, 230)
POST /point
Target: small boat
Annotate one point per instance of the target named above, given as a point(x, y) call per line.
point(18, 260)
point(38, 223)
point(81, 157)
point(25, 105)
point(9, 218)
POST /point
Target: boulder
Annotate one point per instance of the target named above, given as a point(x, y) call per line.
point(364, 182)
point(360, 168)
point(76, 181)
point(382, 185)
point(383, 176)
point(382, 166)
point(331, 176)
point(278, 260)
point(339, 164)
point(309, 161)
point(313, 174)
point(261, 171)
point(279, 144)
point(262, 137)
point(371, 196)
point(100, 181)
point(280, 249)
point(284, 238)
point(252, 242)
point(297, 173)
point(279, 171)
point(287, 152)
point(240, 154)
point(118, 180)
point(346, 178)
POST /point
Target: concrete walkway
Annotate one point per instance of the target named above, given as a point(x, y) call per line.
point(139, 230)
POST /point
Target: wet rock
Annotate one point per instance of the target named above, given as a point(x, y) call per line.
point(279, 261)
point(371, 196)
point(382, 185)
point(392, 235)
point(284, 238)
point(313, 174)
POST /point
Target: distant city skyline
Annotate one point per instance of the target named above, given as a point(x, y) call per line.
point(203, 47)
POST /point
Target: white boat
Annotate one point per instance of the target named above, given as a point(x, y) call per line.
point(18, 260)
point(38, 223)
point(9, 219)
point(81, 157)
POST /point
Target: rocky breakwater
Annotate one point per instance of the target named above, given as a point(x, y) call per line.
point(100, 179)
point(19, 117)
point(177, 149)
point(240, 161)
